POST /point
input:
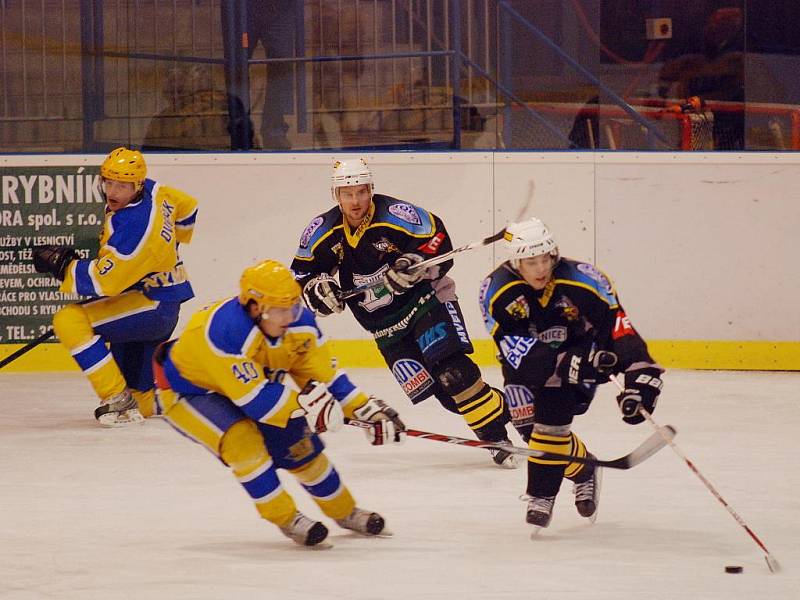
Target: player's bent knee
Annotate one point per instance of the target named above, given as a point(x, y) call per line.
point(457, 374)
point(72, 326)
point(313, 470)
point(242, 447)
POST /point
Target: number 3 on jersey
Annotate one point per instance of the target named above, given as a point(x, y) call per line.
point(245, 371)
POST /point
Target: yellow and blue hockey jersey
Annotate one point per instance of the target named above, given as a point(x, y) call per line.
point(223, 350)
point(139, 249)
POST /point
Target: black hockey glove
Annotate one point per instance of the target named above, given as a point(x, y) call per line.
point(642, 388)
point(399, 279)
point(53, 259)
point(584, 364)
point(322, 295)
point(386, 424)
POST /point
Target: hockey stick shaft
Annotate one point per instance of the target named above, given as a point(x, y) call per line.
point(425, 264)
point(26, 348)
point(649, 447)
point(772, 564)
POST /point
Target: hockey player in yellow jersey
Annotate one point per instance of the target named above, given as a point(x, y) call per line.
point(221, 384)
point(136, 285)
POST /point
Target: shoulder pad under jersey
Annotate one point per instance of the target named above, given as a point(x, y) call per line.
point(401, 215)
point(587, 276)
point(317, 230)
point(131, 226)
point(230, 331)
point(307, 322)
point(497, 282)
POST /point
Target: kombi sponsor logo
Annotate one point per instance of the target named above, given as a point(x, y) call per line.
point(520, 404)
point(412, 377)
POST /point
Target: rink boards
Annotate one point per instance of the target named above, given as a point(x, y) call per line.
point(701, 246)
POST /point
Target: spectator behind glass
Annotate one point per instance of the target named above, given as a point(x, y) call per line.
point(271, 22)
point(715, 74)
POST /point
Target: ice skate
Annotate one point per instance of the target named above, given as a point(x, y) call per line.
point(539, 513)
point(119, 410)
point(365, 522)
point(504, 459)
point(307, 532)
point(587, 495)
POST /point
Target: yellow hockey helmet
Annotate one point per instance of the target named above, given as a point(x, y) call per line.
point(267, 284)
point(123, 164)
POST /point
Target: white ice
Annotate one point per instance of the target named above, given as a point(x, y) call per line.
point(93, 513)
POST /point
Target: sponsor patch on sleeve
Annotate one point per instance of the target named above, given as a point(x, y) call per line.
point(309, 231)
point(432, 245)
point(594, 273)
point(405, 212)
point(622, 326)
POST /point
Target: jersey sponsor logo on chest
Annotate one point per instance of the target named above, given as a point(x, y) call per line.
point(554, 335)
point(519, 308)
point(514, 348)
point(412, 376)
point(377, 297)
point(384, 245)
point(405, 212)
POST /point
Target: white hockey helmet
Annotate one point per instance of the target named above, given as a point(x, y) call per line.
point(527, 239)
point(350, 172)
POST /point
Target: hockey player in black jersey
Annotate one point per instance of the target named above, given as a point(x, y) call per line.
point(414, 315)
point(561, 331)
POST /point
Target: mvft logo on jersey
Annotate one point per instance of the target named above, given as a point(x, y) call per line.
point(462, 333)
point(412, 376)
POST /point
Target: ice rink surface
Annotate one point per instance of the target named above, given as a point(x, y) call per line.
point(93, 513)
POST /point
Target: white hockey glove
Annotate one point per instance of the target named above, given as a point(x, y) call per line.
point(386, 424)
point(322, 411)
point(400, 278)
point(322, 295)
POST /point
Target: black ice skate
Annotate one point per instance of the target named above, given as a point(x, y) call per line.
point(587, 494)
point(364, 522)
point(539, 513)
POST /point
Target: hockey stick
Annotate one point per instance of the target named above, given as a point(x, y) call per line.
point(425, 264)
point(642, 452)
point(26, 348)
point(772, 564)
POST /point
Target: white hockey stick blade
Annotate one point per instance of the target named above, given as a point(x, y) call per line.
point(645, 450)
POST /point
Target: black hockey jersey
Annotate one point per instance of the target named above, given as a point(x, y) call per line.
point(532, 327)
point(362, 255)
